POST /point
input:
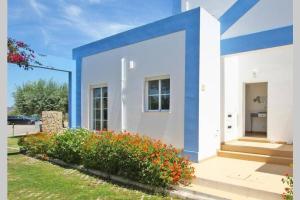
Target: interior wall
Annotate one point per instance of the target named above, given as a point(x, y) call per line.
point(273, 65)
point(253, 90)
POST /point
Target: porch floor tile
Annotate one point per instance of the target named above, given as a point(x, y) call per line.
point(241, 178)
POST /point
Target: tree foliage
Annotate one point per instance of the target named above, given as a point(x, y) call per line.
point(34, 97)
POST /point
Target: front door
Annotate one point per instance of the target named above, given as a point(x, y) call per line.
point(256, 107)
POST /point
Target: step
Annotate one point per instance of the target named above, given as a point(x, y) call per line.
point(224, 190)
point(249, 147)
point(256, 157)
point(254, 139)
point(198, 191)
point(239, 179)
point(194, 191)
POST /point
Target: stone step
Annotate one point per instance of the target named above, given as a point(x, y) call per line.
point(224, 190)
point(263, 150)
point(194, 191)
point(256, 157)
point(237, 179)
point(254, 139)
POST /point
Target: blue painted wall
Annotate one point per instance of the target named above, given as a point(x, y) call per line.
point(70, 97)
point(77, 103)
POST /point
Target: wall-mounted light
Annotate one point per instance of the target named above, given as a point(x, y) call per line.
point(203, 87)
point(131, 64)
point(254, 73)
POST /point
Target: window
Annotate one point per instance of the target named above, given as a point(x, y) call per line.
point(100, 108)
point(158, 95)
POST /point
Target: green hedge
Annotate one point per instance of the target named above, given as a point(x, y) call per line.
point(131, 156)
point(68, 145)
point(39, 143)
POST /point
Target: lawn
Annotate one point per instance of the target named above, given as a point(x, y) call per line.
point(29, 178)
point(12, 144)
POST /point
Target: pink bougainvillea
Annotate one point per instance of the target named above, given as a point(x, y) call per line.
point(21, 54)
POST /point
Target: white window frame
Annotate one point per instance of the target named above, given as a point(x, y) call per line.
point(146, 94)
point(91, 110)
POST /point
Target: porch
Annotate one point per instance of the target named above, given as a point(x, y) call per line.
point(248, 168)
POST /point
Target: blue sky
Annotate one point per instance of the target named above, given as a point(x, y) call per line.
point(55, 27)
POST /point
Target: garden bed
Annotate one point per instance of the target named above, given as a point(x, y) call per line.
point(104, 175)
point(123, 157)
point(30, 178)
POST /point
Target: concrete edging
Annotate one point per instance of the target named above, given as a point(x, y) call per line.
point(174, 191)
point(104, 175)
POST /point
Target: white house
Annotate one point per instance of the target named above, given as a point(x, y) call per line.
point(213, 72)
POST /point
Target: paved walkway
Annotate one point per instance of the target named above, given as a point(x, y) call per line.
point(22, 129)
point(239, 179)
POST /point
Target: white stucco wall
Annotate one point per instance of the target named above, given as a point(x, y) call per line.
point(273, 65)
point(263, 16)
point(159, 57)
point(189, 4)
point(214, 7)
point(153, 58)
point(209, 89)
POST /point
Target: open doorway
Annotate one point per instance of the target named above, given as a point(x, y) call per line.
point(256, 109)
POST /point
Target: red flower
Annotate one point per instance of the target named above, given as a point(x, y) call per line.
point(19, 53)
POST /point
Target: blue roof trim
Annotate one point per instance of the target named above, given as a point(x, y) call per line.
point(159, 28)
point(188, 22)
point(261, 40)
point(235, 12)
point(176, 7)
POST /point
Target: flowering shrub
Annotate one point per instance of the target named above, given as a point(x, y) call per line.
point(288, 194)
point(67, 146)
point(138, 158)
point(131, 156)
point(20, 53)
point(39, 143)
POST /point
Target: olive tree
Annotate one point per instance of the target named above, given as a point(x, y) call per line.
point(34, 97)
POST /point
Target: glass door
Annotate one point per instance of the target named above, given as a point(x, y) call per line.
point(100, 113)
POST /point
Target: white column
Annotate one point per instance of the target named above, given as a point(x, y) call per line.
point(123, 94)
point(3, 100)
point(296, 117)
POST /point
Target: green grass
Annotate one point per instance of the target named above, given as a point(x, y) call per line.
point(12, 144)
point(29, 178)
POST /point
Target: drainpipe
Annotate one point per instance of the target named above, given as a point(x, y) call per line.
point(123, 94)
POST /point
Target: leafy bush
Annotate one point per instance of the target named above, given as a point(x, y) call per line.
point(131, 156)
point(288, 194)
point(35, 97)
point(40, 143)
point(138, 158)
point(68, 145)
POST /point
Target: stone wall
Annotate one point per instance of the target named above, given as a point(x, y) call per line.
point(52, 121)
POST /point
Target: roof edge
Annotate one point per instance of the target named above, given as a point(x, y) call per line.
point(158, 28)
